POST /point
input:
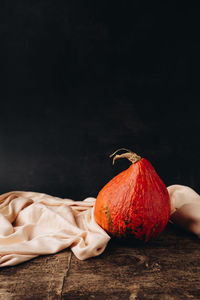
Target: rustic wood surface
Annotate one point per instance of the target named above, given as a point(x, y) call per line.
point(166, 269)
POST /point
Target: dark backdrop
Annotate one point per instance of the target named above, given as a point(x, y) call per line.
point(82, 79)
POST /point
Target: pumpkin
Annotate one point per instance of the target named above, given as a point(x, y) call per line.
point(135, 203)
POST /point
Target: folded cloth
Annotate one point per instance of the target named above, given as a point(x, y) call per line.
point(185, 208)
point(33, 224)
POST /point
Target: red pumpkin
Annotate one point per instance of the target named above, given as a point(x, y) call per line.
point(134, 203)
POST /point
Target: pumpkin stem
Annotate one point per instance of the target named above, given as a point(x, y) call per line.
point(130, 155)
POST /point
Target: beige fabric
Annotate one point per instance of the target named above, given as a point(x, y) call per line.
point(185, 204)
point(32, 224)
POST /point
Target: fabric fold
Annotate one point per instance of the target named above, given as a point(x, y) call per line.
point(33, 224)
point(185, 208)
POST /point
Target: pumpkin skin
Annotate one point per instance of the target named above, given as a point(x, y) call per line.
point(135, 203)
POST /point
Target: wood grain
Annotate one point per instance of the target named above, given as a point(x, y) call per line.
point(166, 269)
point(41, 278)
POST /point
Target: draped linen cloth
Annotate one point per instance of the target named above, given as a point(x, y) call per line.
point(33, 224)
point(185, 208)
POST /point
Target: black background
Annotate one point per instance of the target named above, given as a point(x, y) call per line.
point(81, 79)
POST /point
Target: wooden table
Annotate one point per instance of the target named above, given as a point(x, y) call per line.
point(166, 269)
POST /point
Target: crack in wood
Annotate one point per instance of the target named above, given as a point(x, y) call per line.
point(66, 274)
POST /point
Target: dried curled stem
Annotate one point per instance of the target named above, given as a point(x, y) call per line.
point(130, 155)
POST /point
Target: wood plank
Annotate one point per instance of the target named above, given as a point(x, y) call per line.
point(166, 269)
point(40, 278)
